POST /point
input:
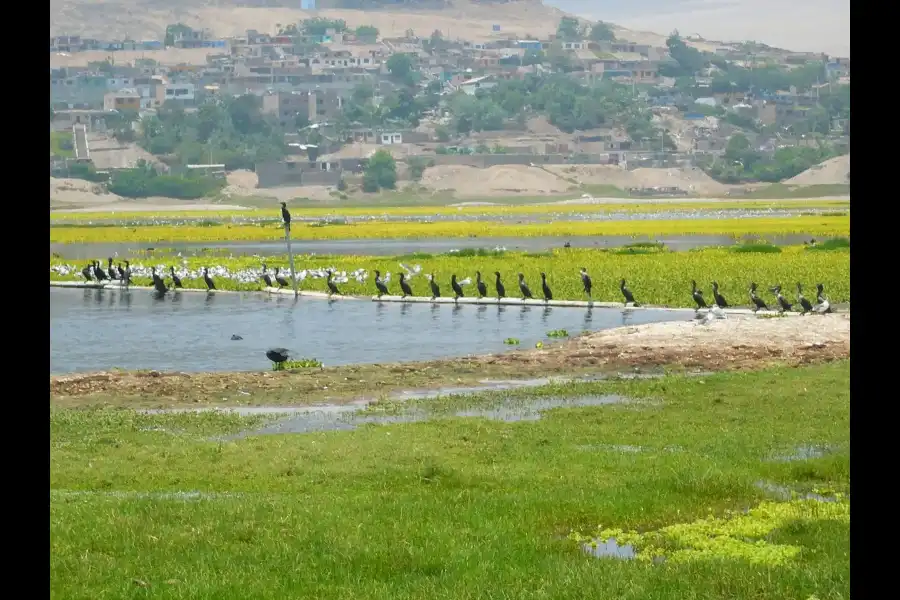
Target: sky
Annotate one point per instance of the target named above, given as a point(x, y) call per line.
point(798, 25)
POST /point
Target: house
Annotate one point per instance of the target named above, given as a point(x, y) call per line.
point(191, 38)
point(125, 99)
point(315, 105)
point(470, 86)
point(181, 92)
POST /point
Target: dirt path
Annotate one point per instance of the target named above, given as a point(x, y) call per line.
point(735, 343)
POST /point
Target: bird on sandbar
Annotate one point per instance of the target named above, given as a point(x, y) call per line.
point(523, 287)
point(783, 304)
point(629, 297)
point(805, 304)
point(88, 271)
point(697, 295)
point(758, 302)
point(719, 298)
point(823, 306)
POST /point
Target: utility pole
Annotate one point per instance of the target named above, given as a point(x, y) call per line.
point(287, 239)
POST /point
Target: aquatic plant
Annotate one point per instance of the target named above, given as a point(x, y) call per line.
point(511, 341)
point(301, 363)
point(817, 226)
point(558, 333)
point(660, 278)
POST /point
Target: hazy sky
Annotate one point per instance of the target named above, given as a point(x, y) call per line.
point(800, 25)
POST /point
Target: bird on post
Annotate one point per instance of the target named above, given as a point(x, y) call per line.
point(286, 216)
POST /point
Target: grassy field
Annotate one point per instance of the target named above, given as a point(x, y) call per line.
point(654, 276)
point(62, 144)
point(813, 225)
point(419, 211)
point(465, 507)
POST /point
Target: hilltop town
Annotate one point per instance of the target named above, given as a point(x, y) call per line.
point(326, 107)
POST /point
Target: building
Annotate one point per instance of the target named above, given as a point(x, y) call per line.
point(470, 86)
point(315, 105)
point(182, 92)
point(126, 99)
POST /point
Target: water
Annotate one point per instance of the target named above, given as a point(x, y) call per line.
point(397, 247)
point(610, 549)
point(94, 330)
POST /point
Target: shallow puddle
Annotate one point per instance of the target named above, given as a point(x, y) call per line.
point(610, 549)
point(804, 453)
point(785, 493)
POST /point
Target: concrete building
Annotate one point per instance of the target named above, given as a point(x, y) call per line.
point(127, 99)
point(182, 92)
point(316, 105)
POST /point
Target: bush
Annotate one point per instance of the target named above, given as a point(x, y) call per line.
point(86, 171)
point(145, 182)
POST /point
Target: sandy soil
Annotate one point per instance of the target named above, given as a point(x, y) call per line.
point(503, 180)
point(735, 343)
point(78, 195)
point(692, 180)
point(831, 171)
point(109, 153)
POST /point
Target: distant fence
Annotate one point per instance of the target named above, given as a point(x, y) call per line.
point(483, 161)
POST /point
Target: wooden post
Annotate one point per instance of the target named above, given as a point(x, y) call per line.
point(287, 238)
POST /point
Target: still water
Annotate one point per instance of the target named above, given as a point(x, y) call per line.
point(92, 330)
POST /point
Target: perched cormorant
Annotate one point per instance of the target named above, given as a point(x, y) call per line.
point(176, 280)
point(267, 279)
point(332, 287)
point(278, 355)
point(209, 282)
point(479, 285)
point(121, 270)
point(111, 269)
point(285, 216)
point(281, 281)
point(126, 274)
point(756, 300)
point(88, 271)
point(548, 295)
point(382, 289)
point(435, 290)
point(235, 337)
point(719, 298)
point(523, 287)
point(98, 271)
point(158, 283)
point(822, 306)
point(804, 303)
point(629, 297)
point(783, 304)
point(501, 291)
point(698, 296)
point(457, 289)
point(586, 282)
point(404, 286)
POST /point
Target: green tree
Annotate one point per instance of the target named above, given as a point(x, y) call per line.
point(318, 26)
point(381, 172)
point(402, 68)
point(367, 32)
point(602, 32)
point(568, 29)
point(417, 166)
point(690, 60)
point(533, 57)
point(172, 31)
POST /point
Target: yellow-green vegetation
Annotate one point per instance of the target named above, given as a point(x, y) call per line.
point(62, 144)
point(654, 276)
point(456, 507)
point(418, 211)
point(813, 225)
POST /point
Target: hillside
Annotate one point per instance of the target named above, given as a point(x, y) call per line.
point(835, 170)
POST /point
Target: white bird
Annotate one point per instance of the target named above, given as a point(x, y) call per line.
point(466, 281)
point(411, 272)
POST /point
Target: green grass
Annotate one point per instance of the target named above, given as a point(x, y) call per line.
point(62, 144)
point(452, 507)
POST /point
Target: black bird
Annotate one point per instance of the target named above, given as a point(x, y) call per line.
point(281, 281)
point(285, 216)
point(804, 303)
point(267, 279)
point(586, 282)
point(479, 285)
point(719, 298)
point(176, 280)
point(121, 270)
point(783, 304)
point(457, 289)
point(407, 291)
point(235, 337)
point(98, 271)
point(548, 295)
point(278, 355)
point(382, 289)
point(88, 271)
point(209, 282)
point(126, 273)
point(111, 269)
point(158, 283)
point(698, 296)
point(523, 287)
point(823, 306)
point(332, 287)
point(756, 300)
point(501, 291)
point(629, 297)
point(435, 290)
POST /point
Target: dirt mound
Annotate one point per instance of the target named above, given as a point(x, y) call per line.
point(79, 192)
point(690, 180)
point(502, 180)
point(832, 171)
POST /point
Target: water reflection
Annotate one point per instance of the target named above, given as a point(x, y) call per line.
point(546, 314)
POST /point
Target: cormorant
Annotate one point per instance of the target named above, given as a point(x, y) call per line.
point(804, 303)
point(158, 283)
point(407, 291)
point(281, 281)
point(88, 271)
point(523, 287)
point(382, 289)
point(586, 282)
point(698, 296)
point(278, 355)
point(435, 290)
point(126, 274)
point(176, 280)
point(822, 306)
point(267, 279)
point(332, 287)
point(209, 282)
point(235, 337)
point(783, 304)
point(457, 289)
point(756, 300)
point(501, 291)
point(111, 269)
point(479, 285)
point(98, 271)
point(285, 216)
point(548, 295)
point(629, 297)
point(719, 298)
point(121, 270)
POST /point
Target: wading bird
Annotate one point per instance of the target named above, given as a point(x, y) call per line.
point(98, 271)
point(176, 280)
point(88, 271)
point(126, 274)
point(113, 275)
point(278, 355)
point(210, 285)
point(629, 297)
point(265, 276)
point(281, 281)
point(586, 282)
point(719, 298)
point(332, 286)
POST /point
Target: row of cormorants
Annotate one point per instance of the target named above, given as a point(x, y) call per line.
point(93, 271)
